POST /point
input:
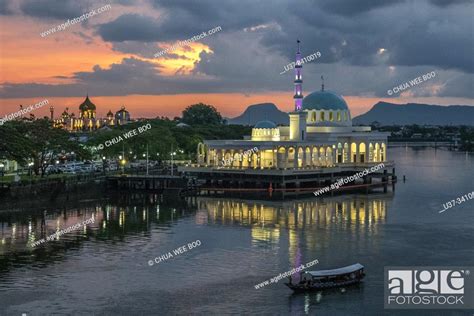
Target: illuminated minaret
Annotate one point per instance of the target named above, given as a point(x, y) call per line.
point(298, 80)
point(298, 117)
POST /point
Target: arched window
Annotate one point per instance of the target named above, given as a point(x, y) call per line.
point(315, 156)
point(338, 116)
point(339, 153)
point(329, 158)
point(281, 157)
point(353, 152)
point(345, 116)
point(313, 116)
point(377, 152)
point(322, 156)
point(331, 116)
point(362, 152)
point(345, 152)
point(322, 116)
point(371, 152)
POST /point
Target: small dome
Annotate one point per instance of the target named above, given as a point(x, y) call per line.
point(265, 124)
point(324, 100)
point(87, 105)
point(122, 110)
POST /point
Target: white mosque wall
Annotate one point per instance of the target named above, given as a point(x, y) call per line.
point(335, 117)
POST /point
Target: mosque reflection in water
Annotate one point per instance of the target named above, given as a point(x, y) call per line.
point(269, 221)
point(339, 223)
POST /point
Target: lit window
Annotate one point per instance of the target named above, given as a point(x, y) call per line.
point(322, 116)
point(331, 116)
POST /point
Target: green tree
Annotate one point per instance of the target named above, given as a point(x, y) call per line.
point(201, 114)
point(37, 141)
point(13, 146)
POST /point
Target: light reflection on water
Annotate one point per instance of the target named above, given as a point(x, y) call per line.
point(243, 243)
point(286, 229)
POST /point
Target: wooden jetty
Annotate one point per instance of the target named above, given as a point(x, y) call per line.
point(287, 183)
point(153, 183)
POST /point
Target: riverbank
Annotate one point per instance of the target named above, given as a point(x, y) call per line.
point(51, 190)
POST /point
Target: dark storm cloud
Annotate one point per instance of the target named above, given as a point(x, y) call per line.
point(181, 20)
point(234, 14)
point(444, 3)
point(349, 8)
point(55, 9)
point(65, 9)
point(131, 27)
point(135, 27)
point(367, 47)
point(4, 8)
point(413, 34)
point(442, 46)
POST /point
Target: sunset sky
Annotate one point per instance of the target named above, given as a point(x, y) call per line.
point(367, 48)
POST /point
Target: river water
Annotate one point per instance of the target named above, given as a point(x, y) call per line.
point(104, 268)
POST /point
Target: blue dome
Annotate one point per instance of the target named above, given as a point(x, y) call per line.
point(324, 100)
point(265, 124)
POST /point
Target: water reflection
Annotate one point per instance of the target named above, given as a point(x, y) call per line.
point(128, 216)
point(360, 214)
point(297, 226)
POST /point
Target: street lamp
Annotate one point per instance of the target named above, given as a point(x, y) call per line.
point(2, 166)
point(123, 162)
point(103, 164)
point(30, 164)
point(172, 164)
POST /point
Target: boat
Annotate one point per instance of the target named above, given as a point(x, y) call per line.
point(326, 279)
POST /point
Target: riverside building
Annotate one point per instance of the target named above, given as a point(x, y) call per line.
point(318, 146)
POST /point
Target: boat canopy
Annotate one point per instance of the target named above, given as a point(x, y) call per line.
point(345, 270)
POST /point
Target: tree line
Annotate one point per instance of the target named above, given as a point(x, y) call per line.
point(37, 144)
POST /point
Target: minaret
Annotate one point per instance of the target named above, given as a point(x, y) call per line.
point(298, 117)
point(51, 110)
point(298, 97)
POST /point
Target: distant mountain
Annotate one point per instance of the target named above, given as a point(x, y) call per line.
point(414, 113)
point(260, 112)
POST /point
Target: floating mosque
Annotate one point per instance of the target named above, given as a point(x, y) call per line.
point(320, 140)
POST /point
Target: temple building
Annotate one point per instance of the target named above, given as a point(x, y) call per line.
point(87, 119)
point(320, 134)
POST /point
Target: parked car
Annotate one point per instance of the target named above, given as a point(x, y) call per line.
point(52, 170)
point(69, 170)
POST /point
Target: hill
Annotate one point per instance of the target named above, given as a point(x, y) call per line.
point(260, 112)
point(413, 113)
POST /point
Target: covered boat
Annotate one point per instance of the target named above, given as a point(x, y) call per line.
point(325, 279)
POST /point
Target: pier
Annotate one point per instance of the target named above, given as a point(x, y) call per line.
point(288, 182)
point(154, 183)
